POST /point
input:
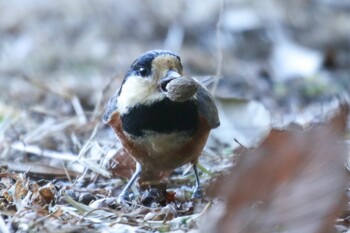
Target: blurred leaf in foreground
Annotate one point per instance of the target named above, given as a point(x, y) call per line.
point(294, 182)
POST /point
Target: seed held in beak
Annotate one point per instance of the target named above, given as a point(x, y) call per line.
point(181, 89)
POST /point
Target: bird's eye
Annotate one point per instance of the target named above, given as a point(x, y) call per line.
point(143, 71)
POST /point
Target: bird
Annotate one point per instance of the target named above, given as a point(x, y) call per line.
point(160, 130)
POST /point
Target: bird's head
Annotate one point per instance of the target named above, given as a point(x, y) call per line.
point(147, 78)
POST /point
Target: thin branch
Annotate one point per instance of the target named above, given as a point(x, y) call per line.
point(78, 109)
point(219, 46)
point(101, 96)
point(45, 87)
point(41, 152)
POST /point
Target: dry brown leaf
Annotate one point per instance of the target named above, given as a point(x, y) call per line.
point(35, 195)
point(20, 190)
point(47, 192)
point(295, 183)
point(9, 187)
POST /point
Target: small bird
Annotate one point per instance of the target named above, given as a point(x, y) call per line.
point(161, 118)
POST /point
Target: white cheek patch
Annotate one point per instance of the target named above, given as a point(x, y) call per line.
point(138, 90)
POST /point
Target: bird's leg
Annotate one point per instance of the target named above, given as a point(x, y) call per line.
point(123, 196)
point(198, 192)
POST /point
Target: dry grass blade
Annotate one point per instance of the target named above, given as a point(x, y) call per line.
point(49, 128)
point(294, 182)
point(80, 207)
point(41, 152)
point(3, 227)
point(93, 214)
point(95, 167)
point(45, 87)
point(103, 95)
point(40, 169)
point(219, 48)
point(90, 163)
point(88, 144)
point(120, 163)
point(79, 110)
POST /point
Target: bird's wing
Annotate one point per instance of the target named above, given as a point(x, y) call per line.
point(207, 106)
point(110, 108)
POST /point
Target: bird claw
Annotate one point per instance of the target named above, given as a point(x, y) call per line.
point(198, 193)
point(123, 198)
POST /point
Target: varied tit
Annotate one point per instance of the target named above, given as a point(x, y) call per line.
point(161, 130)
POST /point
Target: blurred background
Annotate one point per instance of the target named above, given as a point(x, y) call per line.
point(285, 52)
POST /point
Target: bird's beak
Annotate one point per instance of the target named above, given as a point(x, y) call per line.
point(163, 82)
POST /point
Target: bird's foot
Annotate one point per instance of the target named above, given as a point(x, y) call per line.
point(123, 198)
point(198, 193)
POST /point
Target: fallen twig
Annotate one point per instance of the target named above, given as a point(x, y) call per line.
point(42, 152)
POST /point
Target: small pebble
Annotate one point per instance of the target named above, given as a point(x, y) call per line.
point(86, 198)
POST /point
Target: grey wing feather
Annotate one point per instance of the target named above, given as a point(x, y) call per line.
point(207, 106)
point(110, 108)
